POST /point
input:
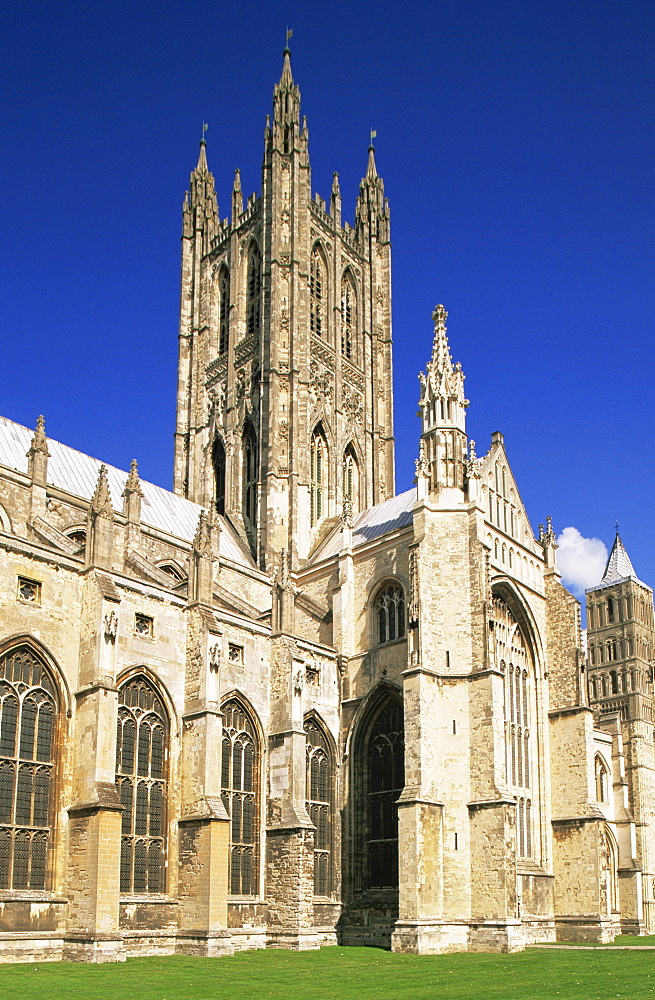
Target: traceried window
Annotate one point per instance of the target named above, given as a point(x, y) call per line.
point(249, 484)
point(602, 783)
point(320, 781)
point(384, 780)
point(28, 712)
point(224, 311)
point(351, 477)
point(318, 475)
point(389, 610)
point(218, 462)
point(348, 318)
point(141, 764)
point(515, 661)
point(239, 777)
point(254, 292)
point(317, 293)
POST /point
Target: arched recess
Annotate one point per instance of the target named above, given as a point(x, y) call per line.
point(318, 292)
point(516, 658)
point(219, 466)
point(254, 291)
point(30, 722)
point(377, 780)
point(349, 315)
point(319, 479)
point(142, 780)
point(5, 521)
point(241, 792)
point(249, 479)
point(320, 799)
point(608, 871)
point(601, 779)
point(350, 485)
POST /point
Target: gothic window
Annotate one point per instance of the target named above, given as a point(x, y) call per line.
point(389, 611)
point(224, 311)
point(384, 779)
point(218, 462)
point(317, 293)
point(601, 776)
point(239, 777)
point(249, 483)
point(351, 477)
point(512, 649)
point(318, 475)
point(348, 318)
point(608, 875)
point(254, 292)
point(28, 712)
point(141, 764)
point(320, 780)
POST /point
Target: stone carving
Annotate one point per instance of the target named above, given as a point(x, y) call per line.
point(351, 375)
point(240, 385)
point(321, 382)
point(422, 464)
point(111, 626)
point(215, 658)
point(473, 464)
point(352, 406)
point(298, 682)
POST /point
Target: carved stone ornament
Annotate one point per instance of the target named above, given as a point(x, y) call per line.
point(352, 406)
point(347, 513)
point(298, 682)
point(321, 382)
point(111, 626)
point(473, 464)
point(422, 464)
point(240, 385)
point(313, 673)
point(216, 401)
point(215, 658)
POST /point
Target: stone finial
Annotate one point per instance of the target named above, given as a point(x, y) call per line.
point(237, 196)
point(133, 483)
point(132, 494)
point(347, 513)
point(473, 463)
point(38, 455)
point(202, 537)
point(422, 464)
point(548, 536)
point(101, 500)
point(335, 200)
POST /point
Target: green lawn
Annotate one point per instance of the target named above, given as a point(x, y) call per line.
point(344, 974)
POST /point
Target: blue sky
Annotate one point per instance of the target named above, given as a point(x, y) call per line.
point(514, 139)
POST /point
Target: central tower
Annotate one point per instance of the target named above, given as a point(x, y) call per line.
point(284, 406)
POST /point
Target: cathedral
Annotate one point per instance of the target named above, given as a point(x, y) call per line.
point(281, 706)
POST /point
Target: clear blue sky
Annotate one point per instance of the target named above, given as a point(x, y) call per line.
point(515, 143)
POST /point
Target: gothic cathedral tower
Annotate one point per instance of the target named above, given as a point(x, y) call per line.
point(284, 409)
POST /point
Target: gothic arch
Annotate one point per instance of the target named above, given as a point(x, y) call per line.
point(387, 606)
point(349, 316)
point(321, 797)
point(224, 306)
point(319, 474)
point(250, 477)
point(242, 774)
point(319, 292)
point(504, 588)
point(254, 290)
point(5, 521)
point(351, 486)
point(43, 653)
point(219, 469)
point(141, 669)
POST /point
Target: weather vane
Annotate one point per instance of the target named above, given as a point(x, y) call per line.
point(289, 34)
point(205, 126)
point(373, 136)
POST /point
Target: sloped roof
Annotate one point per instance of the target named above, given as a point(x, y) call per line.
point(618, 565)
point(73, 472)
point(372, 523)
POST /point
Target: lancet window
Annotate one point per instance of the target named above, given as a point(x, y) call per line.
point(239, 782)
point(515, 661)
point(318, 475)
point(348, 318)
point(224, 311)
point(389, 612)
point(351, 478)
point(317, 290)
point(601, 776)
point(141, 778)
point(254, 292)
point(320, 781)
point(218, 462)
point(28, 713)
point(250, 472)
point(384, 779)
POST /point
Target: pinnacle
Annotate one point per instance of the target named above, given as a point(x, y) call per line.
point(202, 167)
point(287, 76)
point(440, 350)
point(133, 483)
point(371, 169)
point(39, 441)
point(101, 501)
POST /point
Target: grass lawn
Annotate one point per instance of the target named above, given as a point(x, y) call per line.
point(344, 974)
point(622, 941)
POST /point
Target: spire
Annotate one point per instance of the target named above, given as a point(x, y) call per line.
point(371, 169)
point(287, 76)
point(202, 167)
point(101, 500)
point(441, 360)
point(200, 210)
point(618, 565)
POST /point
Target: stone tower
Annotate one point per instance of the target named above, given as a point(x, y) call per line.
point(284, 404)
point(621, 644)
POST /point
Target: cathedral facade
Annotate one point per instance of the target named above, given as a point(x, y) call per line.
point(282, 706)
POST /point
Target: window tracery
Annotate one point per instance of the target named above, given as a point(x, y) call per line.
point(318, 475)
point(239, 777)
point(384, 781)
point(348, 318)
point(28, 712)
point(317, 293)
point(254, 292)
point(389, 610)
point(350, 474)
point(141, 763)
point(320, 781)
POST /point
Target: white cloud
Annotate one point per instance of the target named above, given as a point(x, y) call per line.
point(580, 560)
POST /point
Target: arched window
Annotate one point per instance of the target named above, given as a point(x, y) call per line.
point(141, 766)
point(512, 648)
point(351, 477)
point(320, 782)
point(601, 776)
point(218, 462)
point(224, 311)
point(317, 290)
point(250, 472)
point(239, 782)
point(318, 475)
point(348, 317)
point(389, 610)
point(384, 778)
point(608, 875)
point(254, 292)
point(28, 712)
